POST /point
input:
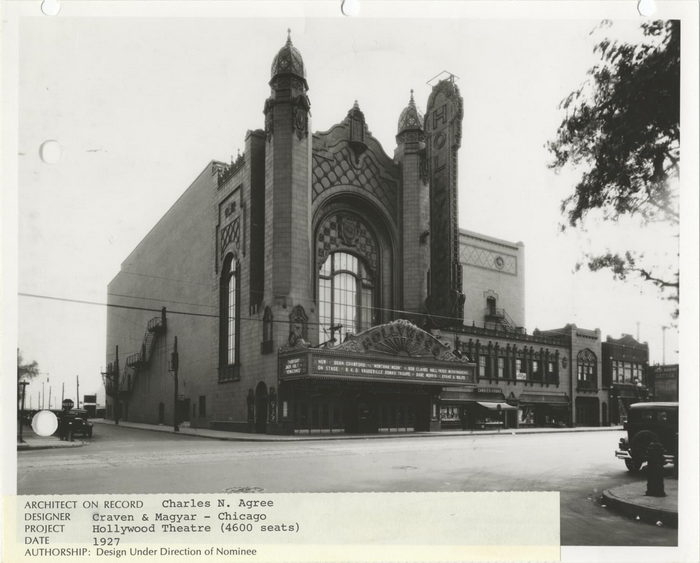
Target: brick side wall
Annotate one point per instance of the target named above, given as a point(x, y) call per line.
point(173, 267)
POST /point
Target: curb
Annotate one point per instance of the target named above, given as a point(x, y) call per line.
point(644, 513)
point(232, 437)
point(27, 447)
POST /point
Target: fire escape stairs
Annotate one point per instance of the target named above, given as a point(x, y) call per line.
point(501, 318)
point(141, 359)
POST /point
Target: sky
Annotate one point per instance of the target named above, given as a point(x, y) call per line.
point(140, 106)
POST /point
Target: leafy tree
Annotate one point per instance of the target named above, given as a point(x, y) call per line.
point(26, 371)
point(622, 126)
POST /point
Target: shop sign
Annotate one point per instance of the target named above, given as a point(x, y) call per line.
point(520, 376)
point(293, 366)
point(378, 369)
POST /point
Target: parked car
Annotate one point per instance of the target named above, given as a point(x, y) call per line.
point(81, 424)
point(647, 423)
point(77, 421)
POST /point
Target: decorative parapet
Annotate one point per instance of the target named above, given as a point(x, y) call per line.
point(226, 171)
point(400, 337)
point(518, 334)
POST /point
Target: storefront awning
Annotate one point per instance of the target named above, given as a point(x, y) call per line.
point(543, 399)
point(495, 406)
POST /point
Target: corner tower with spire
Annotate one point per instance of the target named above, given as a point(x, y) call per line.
point(415, 206)
point(288, 278)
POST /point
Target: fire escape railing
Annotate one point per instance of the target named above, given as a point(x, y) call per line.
point(138, 360)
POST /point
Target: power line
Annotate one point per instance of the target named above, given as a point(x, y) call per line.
point(161, 300)
point(131, 307)
point(207, 315)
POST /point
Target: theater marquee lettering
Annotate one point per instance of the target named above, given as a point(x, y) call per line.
point(352, 367)
point(294, 366)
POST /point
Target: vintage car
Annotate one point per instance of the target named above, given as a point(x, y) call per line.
point(77, 423)
point(647, 423)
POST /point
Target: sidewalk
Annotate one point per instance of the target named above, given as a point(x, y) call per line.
point(252, 437)
point(631, 500)
point(34, 442)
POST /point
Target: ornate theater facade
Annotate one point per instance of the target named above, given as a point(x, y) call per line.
point(319, 284)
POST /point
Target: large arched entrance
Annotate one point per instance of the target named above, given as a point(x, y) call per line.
point(261, 408)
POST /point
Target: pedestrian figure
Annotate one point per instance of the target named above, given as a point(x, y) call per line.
point(65, 421)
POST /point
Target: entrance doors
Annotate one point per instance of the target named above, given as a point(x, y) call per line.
point(587, 411)
point(366, 418)
point(261, 408)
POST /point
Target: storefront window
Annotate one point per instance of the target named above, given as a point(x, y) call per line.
point(526, 416)
point(449, 413)
point(346, 297)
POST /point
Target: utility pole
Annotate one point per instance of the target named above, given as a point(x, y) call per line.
point(21, 410)
point(43, 395)
point(116, 386)
point(174, 361)
point(637, 331)
point(49, 397)
point(77, 391)
point(63, 391)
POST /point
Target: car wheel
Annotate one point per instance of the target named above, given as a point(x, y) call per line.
point(639, 444)
point(632, 465)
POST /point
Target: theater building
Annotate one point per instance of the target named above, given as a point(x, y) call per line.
point(321, 284)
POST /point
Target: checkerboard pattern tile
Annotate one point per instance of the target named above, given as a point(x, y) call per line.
point(329, 239)
point(476, 256)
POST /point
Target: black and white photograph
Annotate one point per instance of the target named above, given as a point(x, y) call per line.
point(296, 253)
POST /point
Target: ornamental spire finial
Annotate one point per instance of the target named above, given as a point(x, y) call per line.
point(289, 36)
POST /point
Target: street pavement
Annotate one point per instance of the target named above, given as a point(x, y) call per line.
point(580, 465)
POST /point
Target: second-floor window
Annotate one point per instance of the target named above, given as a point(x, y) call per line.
point(587, 368)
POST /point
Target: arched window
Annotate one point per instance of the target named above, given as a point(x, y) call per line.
point(229, 319)
point(587, 369)
point(345, 297)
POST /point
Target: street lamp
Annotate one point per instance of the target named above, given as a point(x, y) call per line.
point(663, 345)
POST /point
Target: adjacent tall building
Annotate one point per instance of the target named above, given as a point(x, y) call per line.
point(319, 284)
